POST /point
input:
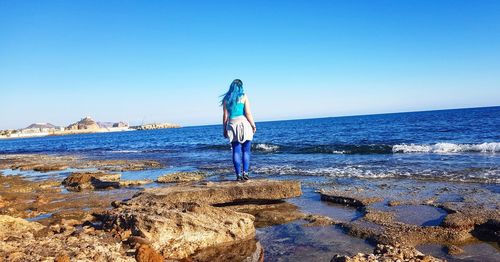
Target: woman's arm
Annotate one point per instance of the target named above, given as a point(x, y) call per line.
point(224, 119)
point(248, 114)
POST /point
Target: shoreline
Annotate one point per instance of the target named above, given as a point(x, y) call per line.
point(78, 132)
point(410, 213)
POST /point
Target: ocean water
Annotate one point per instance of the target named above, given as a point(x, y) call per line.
point(456, 145)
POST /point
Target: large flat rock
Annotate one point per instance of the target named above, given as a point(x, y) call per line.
point(224, 192)
point(179, 230)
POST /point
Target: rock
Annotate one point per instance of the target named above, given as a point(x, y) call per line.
point(48, 168)
point(3, 202)
point(348, 198)
point(178, 230)
point(454, 250)
point(147, 254)
point(62, 258)
point(245, 251)
point(388, 254)
point(319, 220)
point(224, 192)
point(126, 183)
point(78, 181)
point(86, 123)
point(180, 177)
point(16, 227)
point(268, 213)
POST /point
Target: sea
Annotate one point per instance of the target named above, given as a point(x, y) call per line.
point(455, 149)
point(451, 145)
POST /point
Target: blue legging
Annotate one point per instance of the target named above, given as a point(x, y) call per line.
point(241, 151)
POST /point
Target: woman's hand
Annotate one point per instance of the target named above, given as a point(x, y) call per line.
point(254, 128)
point(224, 133)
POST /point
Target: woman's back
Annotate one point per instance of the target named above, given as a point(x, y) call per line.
point(238, 109)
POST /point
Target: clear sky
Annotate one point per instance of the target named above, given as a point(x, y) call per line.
point(168, 61)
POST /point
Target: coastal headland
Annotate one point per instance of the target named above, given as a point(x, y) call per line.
point(85, 126)
point(67, 208)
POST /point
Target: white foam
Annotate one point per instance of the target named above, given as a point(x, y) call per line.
point(267, 147)
point(443, 148)
point(125, 151)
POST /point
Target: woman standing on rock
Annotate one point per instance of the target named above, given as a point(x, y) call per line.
point(238, 126)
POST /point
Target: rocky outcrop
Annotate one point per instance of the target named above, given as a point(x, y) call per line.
point(388, 254)
point(79, 181)
point(348, 198)
point(224, 192)
point(179, 221)
point(16, 227)
point(126, 183)
point(179, 177)
point(86, 123)
point(179, 230)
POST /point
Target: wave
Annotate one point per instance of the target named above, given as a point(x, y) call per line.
point(438, 148)
point(481, 175)
point(258, 147)
point(442, 148)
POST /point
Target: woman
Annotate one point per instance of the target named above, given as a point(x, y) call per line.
point(238, 126)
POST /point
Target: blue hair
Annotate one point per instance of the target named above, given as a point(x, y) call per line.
point(233, 95)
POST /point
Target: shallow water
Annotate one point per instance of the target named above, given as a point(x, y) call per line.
point(480, 252)
point(294, 242)
point(421, 215)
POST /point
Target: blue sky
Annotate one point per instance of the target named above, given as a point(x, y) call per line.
point(168, 61)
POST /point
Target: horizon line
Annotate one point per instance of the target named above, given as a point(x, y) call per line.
point(369, 114)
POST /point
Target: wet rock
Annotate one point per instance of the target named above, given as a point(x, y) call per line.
point(78, 181)
point(16, 227)
point(49, 168)
point(224, 192)
point(388, 253)
point(488, 231)
point(378, 216)
point(126, 183)
point(454, 250)
point(348, 198)
point(178, 230)
point(147, 254)
point(181, 177)
point(245, 251)
point(319, 220)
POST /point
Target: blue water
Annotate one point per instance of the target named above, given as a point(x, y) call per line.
point(458, 145)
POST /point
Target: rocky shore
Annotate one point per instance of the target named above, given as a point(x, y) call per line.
point(77, 209)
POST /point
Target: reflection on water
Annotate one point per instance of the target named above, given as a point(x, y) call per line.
point(295, 242)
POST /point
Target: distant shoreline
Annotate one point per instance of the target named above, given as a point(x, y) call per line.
point(78, 132)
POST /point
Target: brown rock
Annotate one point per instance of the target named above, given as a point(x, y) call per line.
point(48, 168)
point(348, 198)
point(62, 258)
point(224, 192)
point(147, 254)
point(319, 220)
point(179, 230)
point(78, 181)
point(126, 183)
point(16, 227)
point(268, 213)
point(181, 177)
point(388, 254)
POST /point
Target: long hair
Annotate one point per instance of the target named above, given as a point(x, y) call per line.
point(233, 95)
